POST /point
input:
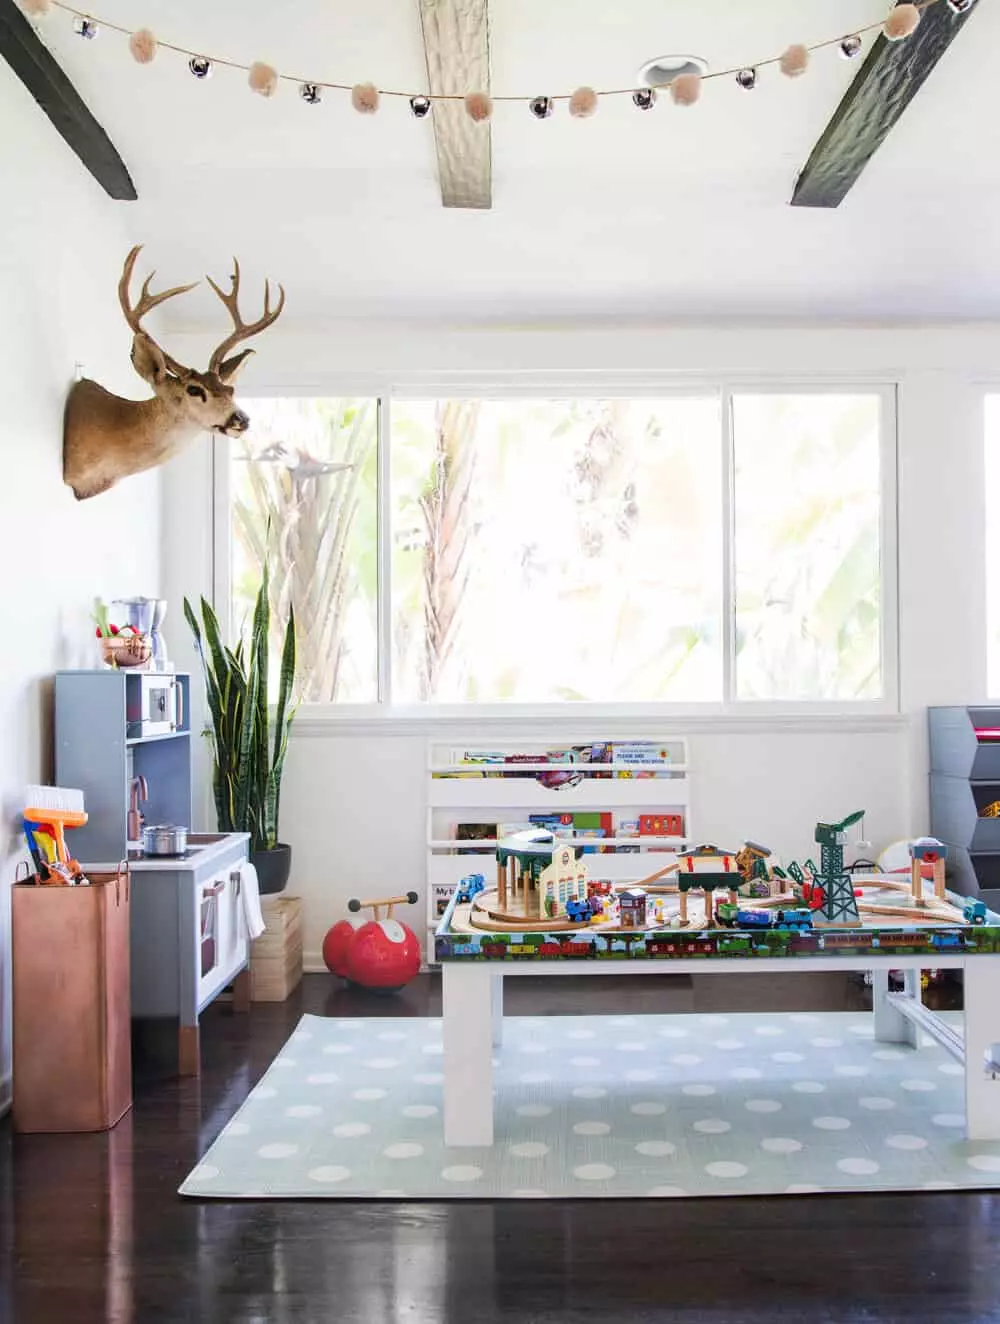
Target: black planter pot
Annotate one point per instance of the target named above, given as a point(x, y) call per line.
point(273, 867)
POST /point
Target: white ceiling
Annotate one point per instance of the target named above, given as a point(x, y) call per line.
point(671, 214)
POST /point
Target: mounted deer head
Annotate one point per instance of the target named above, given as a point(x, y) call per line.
point(106, 437)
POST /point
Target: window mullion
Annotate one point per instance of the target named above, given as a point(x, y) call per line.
point(383, 524)
point(728, 497)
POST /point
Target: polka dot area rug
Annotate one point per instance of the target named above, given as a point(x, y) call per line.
point(618, 1106)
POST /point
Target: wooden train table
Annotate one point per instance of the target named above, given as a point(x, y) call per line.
point(896, 931)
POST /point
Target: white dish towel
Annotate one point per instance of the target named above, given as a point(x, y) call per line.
point(250, 893)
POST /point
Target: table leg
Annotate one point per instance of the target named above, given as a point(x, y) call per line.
point(467, 1007)
point(241, 990)
point(891, 1026)
point(497, 1011)
point(188, 1051)
point(981, 987)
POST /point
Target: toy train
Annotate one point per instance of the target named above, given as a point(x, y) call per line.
point(470, 886)
point(974, 911)
point(740, 917)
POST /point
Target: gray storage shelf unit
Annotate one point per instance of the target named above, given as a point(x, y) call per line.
point(965, 780)
point(95, 753)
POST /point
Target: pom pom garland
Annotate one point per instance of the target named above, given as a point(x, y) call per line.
point(583, 103)
point(795, 61)
point(478, 107)
point(37, 8)
point(365, 98)
point(263, 78)
point(143, 46)
point(901, 22)
point(685, 89)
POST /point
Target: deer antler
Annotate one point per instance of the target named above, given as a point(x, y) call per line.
point(243, 330)
point(147, 302)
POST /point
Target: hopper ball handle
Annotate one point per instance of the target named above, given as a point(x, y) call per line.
point(354, 905)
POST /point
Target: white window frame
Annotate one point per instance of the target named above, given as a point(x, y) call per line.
point(729, 712)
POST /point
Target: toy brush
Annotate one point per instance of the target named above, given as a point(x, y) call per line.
point(56, 808)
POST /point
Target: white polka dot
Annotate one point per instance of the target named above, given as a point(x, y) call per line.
point(330, 1172)
point(726, 1169)
point(594, 1172)
point(534, 1077)
point(419, 1110)
point(462, 1172)
point(685, 1060)
point(787, 1057)
point(533, 1048)
point(433, 1050)
point(956, 1120)
point(263, 1092)
point(862, 1031)
point(802, 1018)
point(585, 1061)
point(668, 1192)
point(951, 1069)
point(303, 1110)
point(322, 1078)
point(940, 1186)
point(648, 1109)
point(831, 1123)
point(622, 1020)
point(335, 1050)
point(715, 1020)
point(591, 1128)
point(531, 1110)
point(589, 1092)
point(673, 1032)
point(762, 1106)
point(903, 1141)
point(746, 1073)
point(876, 1103)
point(238, 1129)
point(381, 1063)
point(808, 1087)
point(632, 1046)
point(278, 1150)
point(781, 1145)
point(529, 1149)
point(641, 1075)
point(888, 1054)
point(203, 1172)
point(527, 1193)
point(348, 1025)
point(300, 1036)
point(429, 1078)
point(712, 1126)
point(405, 1149)
point(698, 1091)
point(656, 1148)
point(823, 1041)
point(802, 1188)
point(347, 1130)
point(283, 1063)
point(729, 1045)
point(984, 1162)
point(850, 1069)
point(391, 1036)
point(858, 1167)
point(771, 1031)
point(918, 1086)
point(581, 1034)
point(369, 1094)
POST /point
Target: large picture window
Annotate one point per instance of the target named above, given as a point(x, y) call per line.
point(699, 548)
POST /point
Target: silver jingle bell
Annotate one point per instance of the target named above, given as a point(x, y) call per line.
point(85, 27)
point(644, 97)
point(420, 106)
point(851, 46)
point(540, 107)
point(960, 6)
point(200, 66)
point(311, 93)
point(747, 78)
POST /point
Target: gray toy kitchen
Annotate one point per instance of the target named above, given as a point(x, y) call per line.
point(123, 736)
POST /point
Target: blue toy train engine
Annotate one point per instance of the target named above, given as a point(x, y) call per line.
point(471, 885)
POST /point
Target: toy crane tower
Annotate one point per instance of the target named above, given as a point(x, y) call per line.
point(839, 905)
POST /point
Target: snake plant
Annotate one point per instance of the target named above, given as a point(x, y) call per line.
point(249, 745)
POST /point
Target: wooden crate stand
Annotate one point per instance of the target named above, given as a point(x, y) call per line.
point(276, 956)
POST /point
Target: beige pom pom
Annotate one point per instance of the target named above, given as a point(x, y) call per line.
point(365, 98)
point(478, 106)
point(685, 89)
point(583, 103)
point(263, 79)
point(36, 7)
point(143, 46)
point(795, 61)
point(901, 22)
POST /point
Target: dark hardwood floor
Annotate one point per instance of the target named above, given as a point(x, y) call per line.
point(91, 1228)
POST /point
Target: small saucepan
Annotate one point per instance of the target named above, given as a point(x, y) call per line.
point(164, 839)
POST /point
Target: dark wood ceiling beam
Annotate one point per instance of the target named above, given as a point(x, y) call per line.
point(38, 70)
point(887, 82)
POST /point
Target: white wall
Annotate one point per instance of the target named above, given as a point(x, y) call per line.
point(60, 258)
point(353, 800)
